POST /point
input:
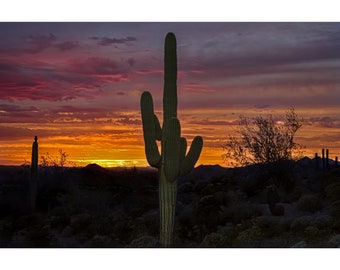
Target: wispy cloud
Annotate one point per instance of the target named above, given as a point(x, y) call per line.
point(67, 45)
point(38, 43)
point(105, 41)
point(76, 78)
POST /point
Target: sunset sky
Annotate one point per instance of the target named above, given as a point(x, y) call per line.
point(77, 86)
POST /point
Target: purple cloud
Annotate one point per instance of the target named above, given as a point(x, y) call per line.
point(67, 45)
point(105, 41)
point(39, 43)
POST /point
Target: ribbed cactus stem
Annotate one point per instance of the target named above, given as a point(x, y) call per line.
point(34, 174)
point(167, 208)
point(174, 160)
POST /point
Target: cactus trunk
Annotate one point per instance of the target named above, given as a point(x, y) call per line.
point(173, 160)
point(34, 175)
point(167, 209)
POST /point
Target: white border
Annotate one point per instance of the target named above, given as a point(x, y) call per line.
point(169, 10)
point(169, 259)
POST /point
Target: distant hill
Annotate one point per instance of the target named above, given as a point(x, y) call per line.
point(94, 168)
point(205, 172)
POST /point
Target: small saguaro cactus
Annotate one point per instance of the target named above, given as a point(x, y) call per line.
point(34, 174)
point(173, 161)
point(323, 159)
point(273, 199)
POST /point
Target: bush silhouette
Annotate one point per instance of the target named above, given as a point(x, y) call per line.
point(263, 140)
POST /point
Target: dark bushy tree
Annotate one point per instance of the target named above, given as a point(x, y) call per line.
point(263, 140)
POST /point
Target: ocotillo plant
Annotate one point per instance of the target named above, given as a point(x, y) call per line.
point(34, 174)
point(173, 161)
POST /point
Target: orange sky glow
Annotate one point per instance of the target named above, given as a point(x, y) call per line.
point(111, 145)
point(77, 86)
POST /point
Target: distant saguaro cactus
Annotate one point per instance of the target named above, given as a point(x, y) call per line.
point(173, 160)
point(323, 159)
point(34, 174)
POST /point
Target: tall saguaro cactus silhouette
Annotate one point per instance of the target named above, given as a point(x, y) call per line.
point(173, 161)
point(34, 174)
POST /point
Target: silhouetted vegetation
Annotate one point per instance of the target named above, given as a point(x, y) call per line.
point(98, 207)
point(263, 140)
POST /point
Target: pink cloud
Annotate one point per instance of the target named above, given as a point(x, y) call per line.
point(148, 72)
point(32, 79)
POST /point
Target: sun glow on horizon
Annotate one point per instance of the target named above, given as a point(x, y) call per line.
point(120, 141)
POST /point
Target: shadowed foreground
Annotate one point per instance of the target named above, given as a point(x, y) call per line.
point(216, 207)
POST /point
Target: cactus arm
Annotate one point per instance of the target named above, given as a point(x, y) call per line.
point(171, 147)
point(149, 130)
point(183, 150)
point(192, 156)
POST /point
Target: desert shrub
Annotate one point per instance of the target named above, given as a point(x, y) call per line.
point(334, 241)
point(223, 237)
point(13, 197)
point(255, 181)
point(199, 186)
point(332, 192)
point(102, 225)
point(263, 140)
point(76, 201)
point(59, 222)
point(6, 231)
point(185, 187)
point(100, 241)
point(272, 226)
point(336, 225)
point(38, 236)
point(300, 223)
point(249, 238)
point(311, 232)
point(309, 203)
point(278, 210)
point(150, 222)
point(80, 223)
point(301, 244)
point(273, 199)
point(236, 213)
point(335, 209)
point(207, 212)
point(124, 229)
point(266, 221)
point(26, 221)
point(213, 240)
point(144, 241)
point(322, 221)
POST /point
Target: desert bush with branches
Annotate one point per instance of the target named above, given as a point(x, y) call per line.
point(263, 140)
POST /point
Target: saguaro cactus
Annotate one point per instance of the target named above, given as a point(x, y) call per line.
point(273, 200)
point(173, 161)
point(34, 174)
